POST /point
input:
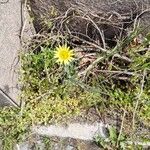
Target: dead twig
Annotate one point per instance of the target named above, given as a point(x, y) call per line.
point(138, 99)
point(91, 66)
point(121, 128)
point(119, 72)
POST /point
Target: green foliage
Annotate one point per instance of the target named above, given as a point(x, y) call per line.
point(47, 143)
point(141, 55)
point(122, 99)
point(53, 93)
point(111, 142)
point(13, 126)
point(47, 94)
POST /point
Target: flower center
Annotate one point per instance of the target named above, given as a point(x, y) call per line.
point(64, 55)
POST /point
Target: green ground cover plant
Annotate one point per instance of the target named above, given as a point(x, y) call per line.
point(115, 82)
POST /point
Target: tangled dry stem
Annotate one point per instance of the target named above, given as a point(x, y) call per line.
point(92, 31)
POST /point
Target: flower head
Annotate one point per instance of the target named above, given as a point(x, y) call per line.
point(63, 54)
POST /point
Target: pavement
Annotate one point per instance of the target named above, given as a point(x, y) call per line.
point(10, 24)
point(73, 130)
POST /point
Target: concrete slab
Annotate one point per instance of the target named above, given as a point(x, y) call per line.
point(10, 25)
point(74, 130)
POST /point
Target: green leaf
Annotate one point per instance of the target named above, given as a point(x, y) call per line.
point(112, 134)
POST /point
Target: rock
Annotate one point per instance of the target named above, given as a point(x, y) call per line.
point(10, 24)
point(73, 130)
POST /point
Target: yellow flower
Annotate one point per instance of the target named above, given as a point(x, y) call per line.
point(63, 54)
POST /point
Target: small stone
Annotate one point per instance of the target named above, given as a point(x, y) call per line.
point(69, 147)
